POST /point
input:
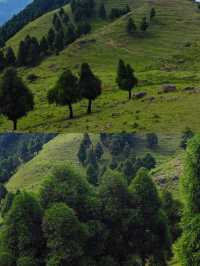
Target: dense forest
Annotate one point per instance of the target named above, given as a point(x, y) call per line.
point(76, 221)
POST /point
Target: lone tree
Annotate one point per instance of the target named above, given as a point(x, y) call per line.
point(65, 92)
point(10, 57)
point(126, 79)
point(102, 11)
point(131, 27)
point(16, 100)
point(152, 13)
point(90, 85)
point(144, 24)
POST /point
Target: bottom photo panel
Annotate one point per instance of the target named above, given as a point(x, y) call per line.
point(100, 199)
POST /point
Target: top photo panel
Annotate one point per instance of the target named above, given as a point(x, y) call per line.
point(99, 66)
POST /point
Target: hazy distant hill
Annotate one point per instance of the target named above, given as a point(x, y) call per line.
point(8, 8)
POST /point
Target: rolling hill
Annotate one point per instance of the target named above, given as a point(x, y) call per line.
point(167, 54)
point(63, 149)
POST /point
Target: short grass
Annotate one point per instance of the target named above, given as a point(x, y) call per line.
point(167, 53)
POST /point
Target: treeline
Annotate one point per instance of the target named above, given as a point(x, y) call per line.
point(121, 150)
point(74, 223)
point(31, 12)
point(69, 89)
point(17, 149)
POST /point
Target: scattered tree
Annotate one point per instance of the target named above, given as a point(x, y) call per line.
point(126, 79)
point(66, 91)
point(90, 85)
point(16, 100)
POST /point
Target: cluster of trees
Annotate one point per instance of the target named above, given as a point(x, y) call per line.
point(69, 89)
point(17, 149)
point(186, 136)
point(132, 28)
point(123, 159)
point(16, 99)
point(118, 12)
point(83, 10)
point(31, 12)
point(74, 223)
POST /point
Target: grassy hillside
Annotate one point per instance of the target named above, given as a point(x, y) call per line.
point(63, 150)
point(167, 53)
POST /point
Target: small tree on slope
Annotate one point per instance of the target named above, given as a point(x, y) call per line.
point(65, 92)
point(16, 100)
point(90, 85)
point(126, 79)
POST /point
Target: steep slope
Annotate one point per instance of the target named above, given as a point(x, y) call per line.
point(63, 149)
point(167, 53)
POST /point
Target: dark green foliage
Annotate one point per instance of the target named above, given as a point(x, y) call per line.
point(187, 247)
point(83, 28)
point(65, 235)
point(92, 174)
point(82, 10)
point(70, 35)
point(131, 27)
point(2, 61)
point(126, 79)
point(16, 100)
point(59, 41)
point(86, 140)
point(44, 46)
point(118, 12)
point(152, 13)
point(7, 259)
point(22, 235)
point(186, 136)
point(91, 158)
point(3, 192)
point(152, 140)
point(21, 56)
point(90, 85)
point(56, 22)
point(113, 165)
point(27, 261)
point(7, 203)
point(149, 161)
point(69, 187)
point(102, 11)
point(10, 57)
point(172, 208)
point(28, 52)
point(82, 154)
point(51, 37)
point(66, 91)
point(150, 242)
point(99, 151)
point(144, 24)
point(128, 170)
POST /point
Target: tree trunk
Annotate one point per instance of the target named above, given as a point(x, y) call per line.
point(89, 110)
point(14, 125)
point(71, 115)
point(130, 96)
